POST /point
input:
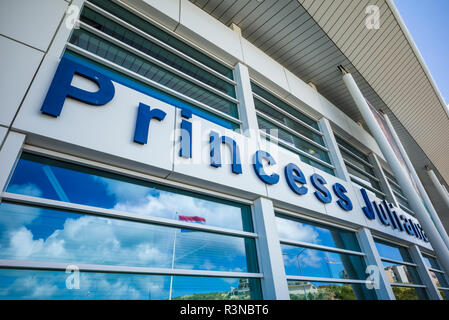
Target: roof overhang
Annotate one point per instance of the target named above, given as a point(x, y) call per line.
point(312, 37)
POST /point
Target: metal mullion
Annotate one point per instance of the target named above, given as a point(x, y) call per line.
point(296, 150)
point(355, 156)
point(270, 104)
point(393, 183)
point(161, 64)
point(129, 173)
point(150, 82)
point(398, 262)
point(408, 285)
point(360, 170)
point(399, 195)
point(293, 132)
point(62, 266)
point(151, 38)
point(297, 215)
point(327, 280)
point(435, 270)
point(320, 247)
point(367, 186)
point(111, 213)
point(406, 209)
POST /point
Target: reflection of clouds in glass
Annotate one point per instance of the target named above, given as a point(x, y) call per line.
point(27, 284)
point(89, 239)
point(296, 231)
point(143, 200)
point(29, 189)
point(76, 238)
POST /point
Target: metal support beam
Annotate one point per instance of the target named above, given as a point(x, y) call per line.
point(274, 282)
point(402, 177)
point(424, 274)
point(432, 212)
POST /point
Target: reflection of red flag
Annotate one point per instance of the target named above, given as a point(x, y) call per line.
point(194, 219)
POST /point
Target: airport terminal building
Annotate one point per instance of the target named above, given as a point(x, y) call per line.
point(254, 149)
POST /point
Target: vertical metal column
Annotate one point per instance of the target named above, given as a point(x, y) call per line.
point(274, 282)
point(424, 274)
point(334, 152)
point(406, 185)
point(366, 241)
point(438, 186)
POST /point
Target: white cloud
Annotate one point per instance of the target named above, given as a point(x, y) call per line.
point(296, 231)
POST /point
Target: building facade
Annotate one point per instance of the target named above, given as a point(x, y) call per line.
point(149, 151)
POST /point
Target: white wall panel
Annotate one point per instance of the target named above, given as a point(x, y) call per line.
point(18, 64)
point(31, 22)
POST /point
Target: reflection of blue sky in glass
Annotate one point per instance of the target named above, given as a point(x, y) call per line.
point(392, 252)
point(305, 290)
point(38, 234)
point(306, 262)
point(54, 180)
point(38, 284)
point(298, 230)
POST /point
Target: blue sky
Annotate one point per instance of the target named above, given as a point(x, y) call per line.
point(429, 26)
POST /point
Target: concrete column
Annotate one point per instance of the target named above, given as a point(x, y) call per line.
point(424, 274)
point(247, 110)
point(366, 241)
point(334, 152)
point(274, 282)
point(9, 153)
point(438, 186)
point(402, 177)
point(433, 214)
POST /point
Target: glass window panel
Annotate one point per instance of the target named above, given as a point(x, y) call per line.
point(304, 290)
point(398, 273)
point(365, 179)
point(51, 179)
point(51, 285)
point(438, 279)
point(316, 164)
point(292, 140)
point(405, 293)
point(163, 36)
point(281, 104)
point(39, 234)
point(122, 34)
point(351, 148)
point(288, 122)
point(299, 261)
point(356, 162)
point(306, 231)
point(444, 294)
point(392, 252)
point(431, 262)
point(147, 69)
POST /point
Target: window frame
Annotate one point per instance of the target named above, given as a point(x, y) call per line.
point(114, 214)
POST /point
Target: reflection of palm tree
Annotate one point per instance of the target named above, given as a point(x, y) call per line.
point(299, 265)
point(328, 262)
